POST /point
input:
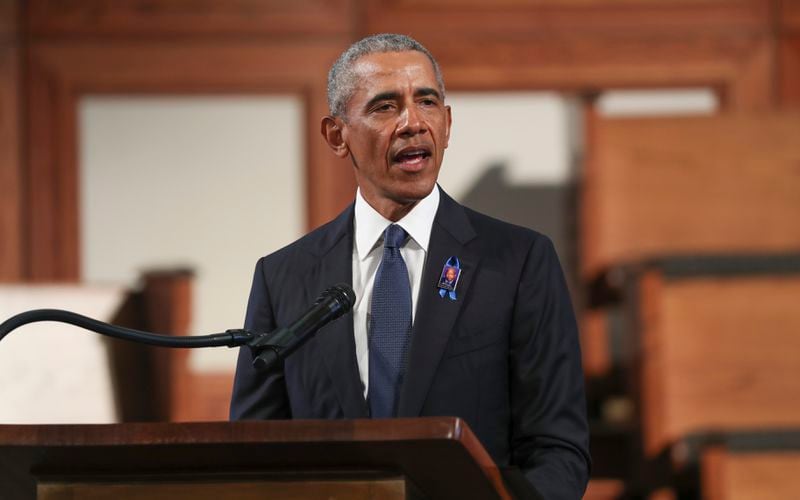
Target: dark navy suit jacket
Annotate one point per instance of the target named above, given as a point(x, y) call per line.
point(503, 356)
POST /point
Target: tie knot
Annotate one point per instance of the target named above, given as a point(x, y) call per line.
point(394, 236)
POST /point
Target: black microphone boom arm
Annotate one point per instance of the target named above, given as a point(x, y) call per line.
point(267, 347)
point(230, 338)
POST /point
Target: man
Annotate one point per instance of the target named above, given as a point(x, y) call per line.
point(499, 349)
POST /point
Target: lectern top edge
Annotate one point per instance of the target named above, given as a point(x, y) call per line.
point(159, 433)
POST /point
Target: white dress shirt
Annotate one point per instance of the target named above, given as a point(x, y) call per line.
point(367, 254)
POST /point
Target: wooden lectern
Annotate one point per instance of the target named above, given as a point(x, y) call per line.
point(354, 459)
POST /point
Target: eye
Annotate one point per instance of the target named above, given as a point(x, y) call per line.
point(383, 107)
point(428, 102)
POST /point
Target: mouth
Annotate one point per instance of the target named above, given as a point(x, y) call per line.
point(412, 158)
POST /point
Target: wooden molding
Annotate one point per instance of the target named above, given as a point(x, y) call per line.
point(51, 180)
point(588, 45)
point(11, 227)
point(9, 21)
point(461, 20)
point(148, 18)
point(739, 66)
point(788, 16)
point(789, 68)
point(751, 85)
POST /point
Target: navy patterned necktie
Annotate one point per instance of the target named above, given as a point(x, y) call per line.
point(390, 326)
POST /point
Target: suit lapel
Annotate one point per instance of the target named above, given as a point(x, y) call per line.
point(436, 315)
point(336, 343)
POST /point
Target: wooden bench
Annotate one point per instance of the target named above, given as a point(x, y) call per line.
point(689, 185)
point(717, 352)
point(757, 475)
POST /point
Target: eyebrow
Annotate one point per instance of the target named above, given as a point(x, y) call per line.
point(392, 95)
point(383, 96)
point(426, 91)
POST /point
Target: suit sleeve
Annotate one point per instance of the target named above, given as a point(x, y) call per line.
point(258, 394)
point(549, 434)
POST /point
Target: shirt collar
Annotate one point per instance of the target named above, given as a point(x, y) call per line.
point(370, 225)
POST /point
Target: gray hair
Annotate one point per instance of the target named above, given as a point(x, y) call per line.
point(342, 80)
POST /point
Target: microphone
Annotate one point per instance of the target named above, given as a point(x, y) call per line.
point(277, 345)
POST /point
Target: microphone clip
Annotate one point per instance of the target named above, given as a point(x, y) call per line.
point(267, 347)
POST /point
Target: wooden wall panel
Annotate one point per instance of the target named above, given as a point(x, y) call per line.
point(750, 83)
point(719, 355)
point(61, 73)
point(240, 18)
point(9, 20)
point(51, 195)
point(788, 16)
point(11, 227)
point(10, 179)
point(789, 72)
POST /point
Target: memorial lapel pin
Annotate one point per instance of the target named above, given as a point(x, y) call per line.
point(451, 272)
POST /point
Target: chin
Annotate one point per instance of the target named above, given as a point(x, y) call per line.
point(417, 191)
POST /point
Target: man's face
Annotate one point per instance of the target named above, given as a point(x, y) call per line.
point(396, 129)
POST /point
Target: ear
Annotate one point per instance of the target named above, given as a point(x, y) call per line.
point(331, 129)
point(449, 122)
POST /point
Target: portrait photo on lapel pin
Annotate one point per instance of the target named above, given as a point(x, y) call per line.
point(449, 278)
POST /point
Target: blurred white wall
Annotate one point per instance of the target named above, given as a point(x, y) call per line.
point(530, 133)
point(209, 182)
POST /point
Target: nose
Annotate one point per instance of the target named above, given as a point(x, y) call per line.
point(411, 122)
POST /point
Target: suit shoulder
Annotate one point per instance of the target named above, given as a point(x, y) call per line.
point(507, 245)
point(310, 247)
point(505, 233)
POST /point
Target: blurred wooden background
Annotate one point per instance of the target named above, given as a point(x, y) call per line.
point(689, 237)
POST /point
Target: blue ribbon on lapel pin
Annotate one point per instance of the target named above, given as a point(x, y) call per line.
point(451, 272)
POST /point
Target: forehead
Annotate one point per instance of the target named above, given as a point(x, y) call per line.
point(391, 71)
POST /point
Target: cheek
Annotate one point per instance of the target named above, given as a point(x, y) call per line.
point(441, 131)
point(381, 144)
